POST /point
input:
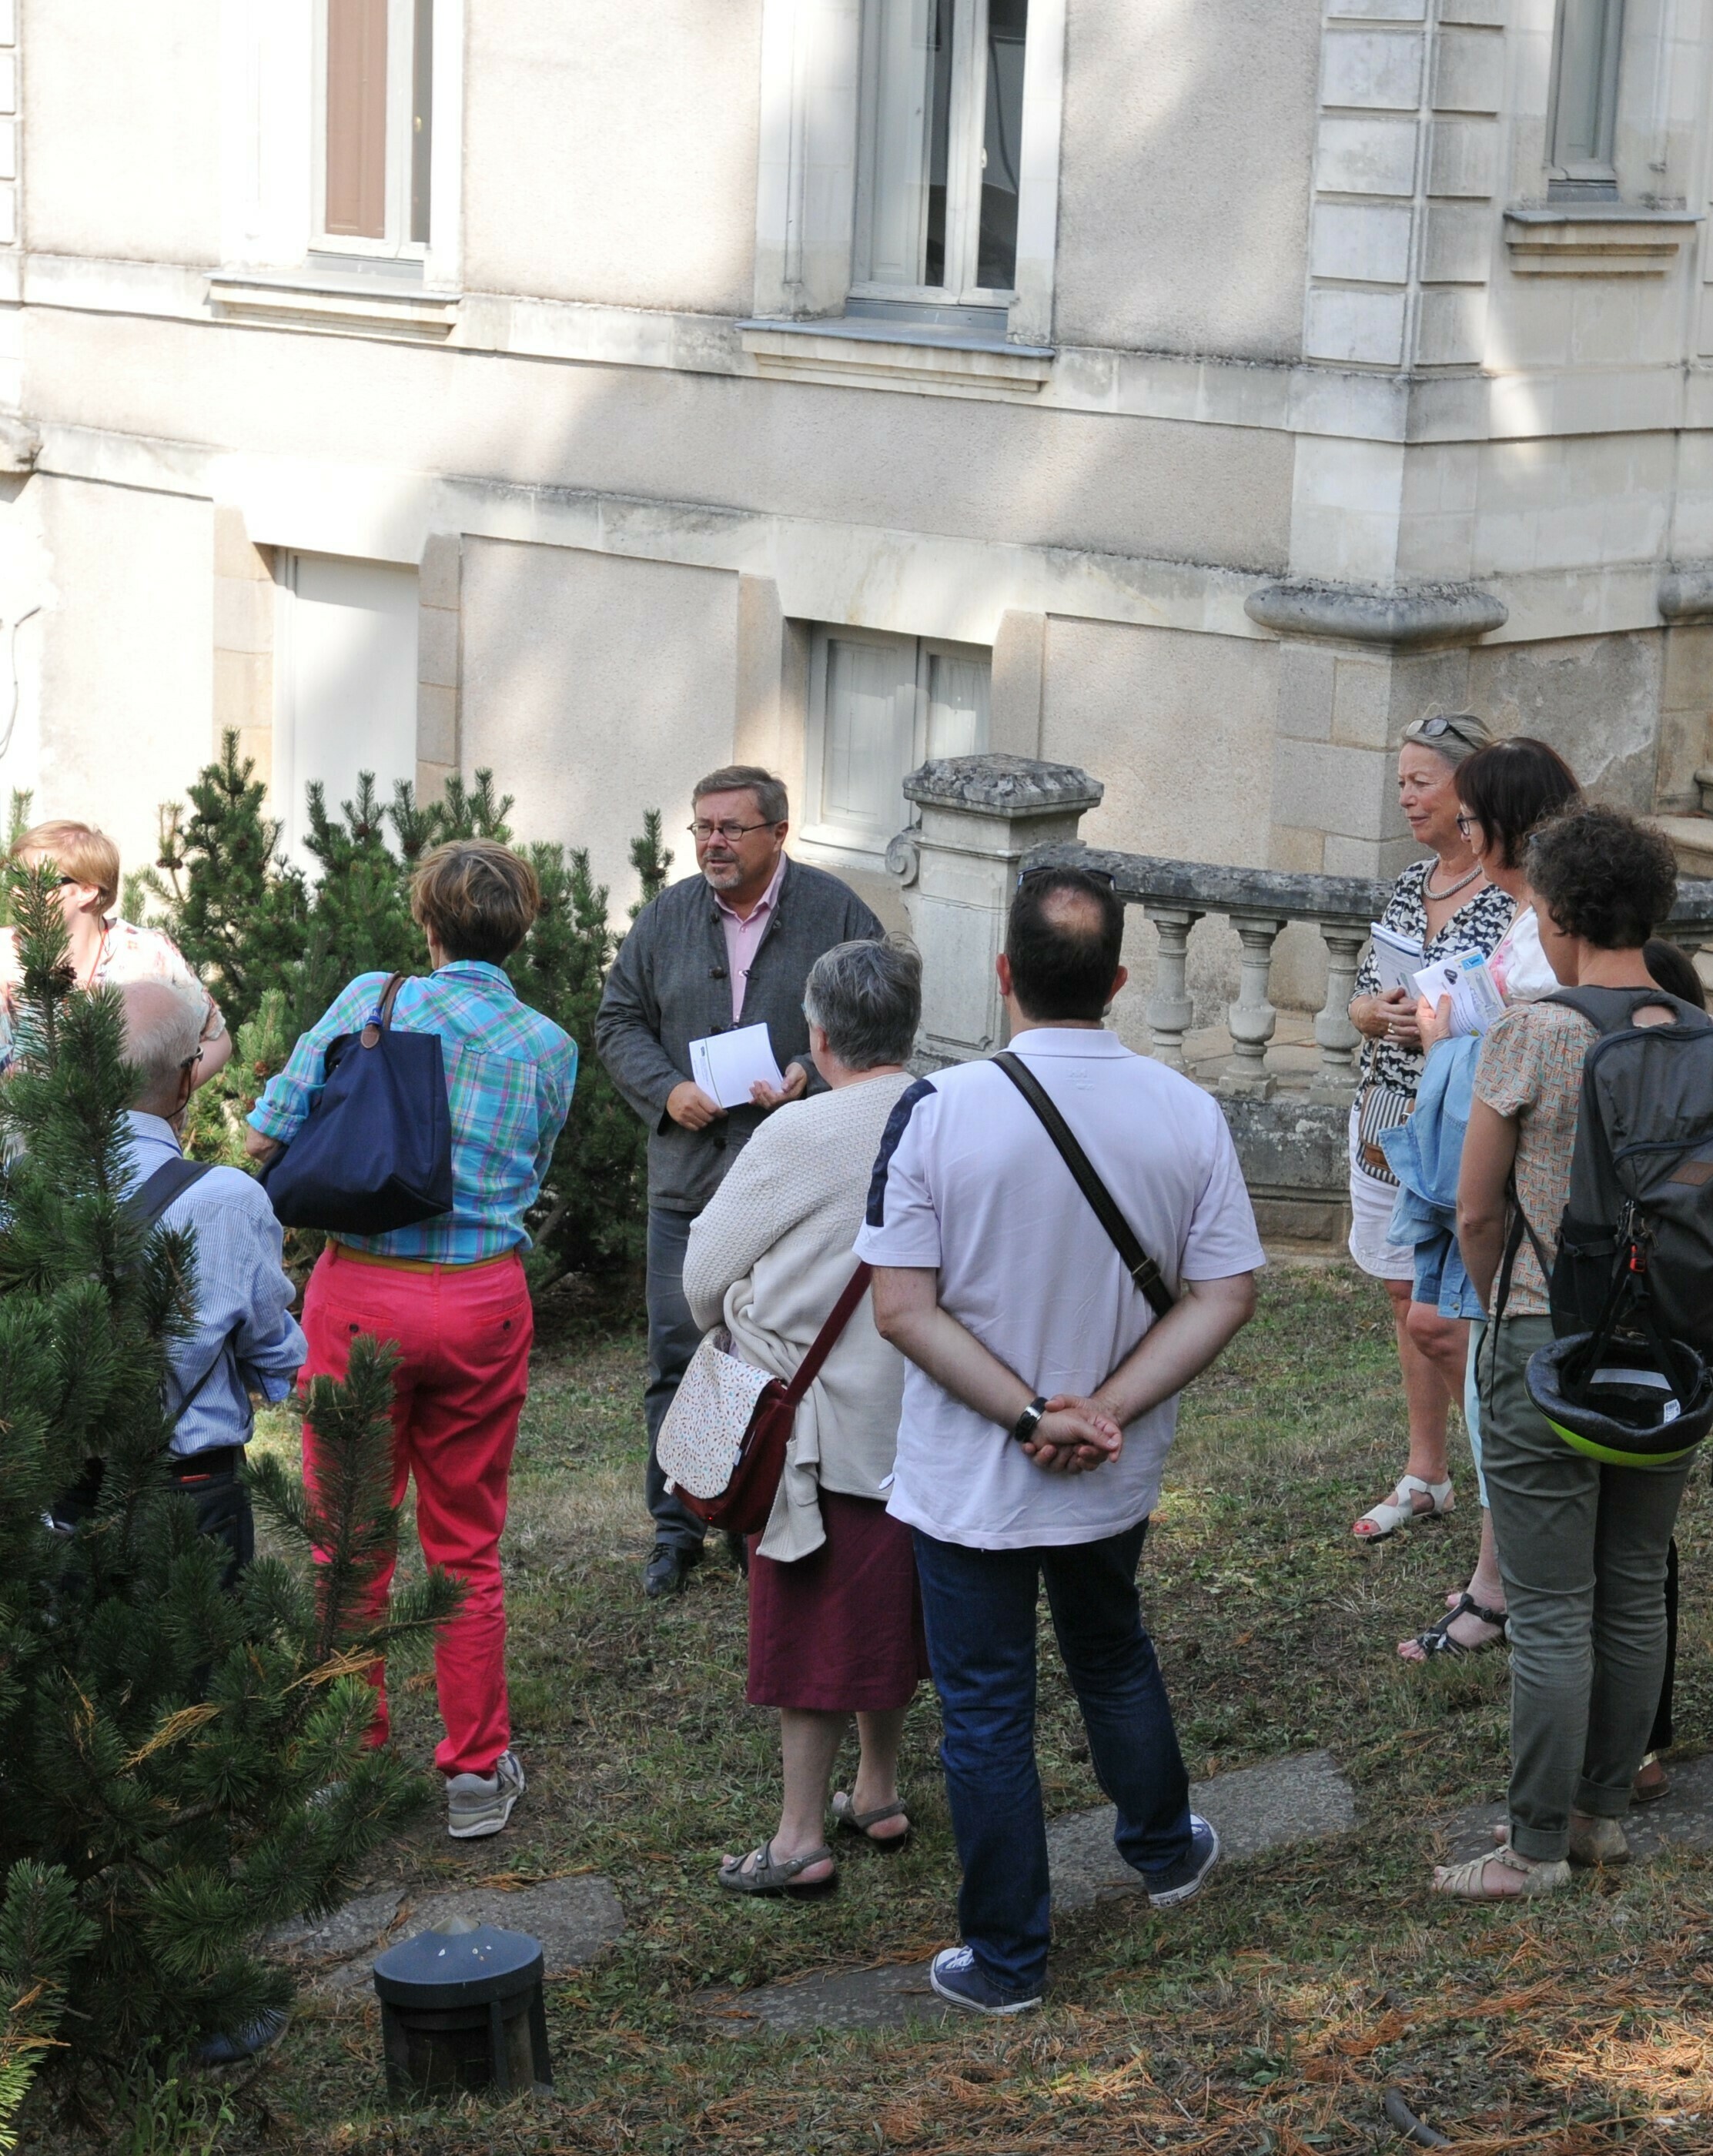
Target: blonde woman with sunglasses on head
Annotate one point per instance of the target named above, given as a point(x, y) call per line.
point(1447, 904)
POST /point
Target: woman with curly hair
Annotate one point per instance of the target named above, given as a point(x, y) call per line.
point(1581, 1546)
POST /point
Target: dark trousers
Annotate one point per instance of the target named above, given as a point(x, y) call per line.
point(210, 1480)
point(980, 1609)
point(673, 1338)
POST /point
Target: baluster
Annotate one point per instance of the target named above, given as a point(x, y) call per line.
point(1334, 1081)
point(1252, 1018)
point(1169, 1009)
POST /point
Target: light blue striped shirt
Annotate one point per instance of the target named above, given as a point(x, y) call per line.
point(245, 1328)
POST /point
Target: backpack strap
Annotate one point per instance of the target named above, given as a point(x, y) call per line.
point(170, 1180)
point(1612, 1010)
point(1136, 1261)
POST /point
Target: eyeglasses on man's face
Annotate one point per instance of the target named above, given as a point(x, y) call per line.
point(705, 834)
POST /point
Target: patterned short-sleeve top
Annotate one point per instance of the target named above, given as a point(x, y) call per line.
point(127, 954)
point(1531, 1067)
point(1476, 926)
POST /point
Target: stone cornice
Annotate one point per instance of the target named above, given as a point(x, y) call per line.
point(1686, 592)
point(1408, 618)
point(1003, 786)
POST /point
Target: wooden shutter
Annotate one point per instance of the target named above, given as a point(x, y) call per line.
point(357, 119)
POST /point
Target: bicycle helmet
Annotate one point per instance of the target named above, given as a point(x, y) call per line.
point(1630, 1409)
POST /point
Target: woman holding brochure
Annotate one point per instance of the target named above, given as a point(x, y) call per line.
point(1504, 793)
point(1438, 907)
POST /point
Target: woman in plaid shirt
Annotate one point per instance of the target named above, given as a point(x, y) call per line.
point(450, 1291)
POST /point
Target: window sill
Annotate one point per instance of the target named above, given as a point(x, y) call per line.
point(1596, 239)
point(891, 354)
point(332, 301)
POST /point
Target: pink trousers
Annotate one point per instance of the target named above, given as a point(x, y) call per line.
point(463, 1334)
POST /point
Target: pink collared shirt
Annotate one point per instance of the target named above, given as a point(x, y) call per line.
point(743, 937)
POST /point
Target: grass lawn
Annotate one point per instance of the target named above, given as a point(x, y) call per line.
point(1269, 2015)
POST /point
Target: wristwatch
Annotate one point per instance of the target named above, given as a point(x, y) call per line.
point(1026, 1424)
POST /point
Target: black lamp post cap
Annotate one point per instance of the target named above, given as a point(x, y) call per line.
point(458, 1969)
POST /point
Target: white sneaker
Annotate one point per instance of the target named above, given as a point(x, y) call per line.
point(478, 1805)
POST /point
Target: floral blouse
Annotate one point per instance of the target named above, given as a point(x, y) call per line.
point(1477, 925)
point(127, 954)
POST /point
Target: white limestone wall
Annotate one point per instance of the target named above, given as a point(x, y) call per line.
point(596, 688)
point(1163, 105)
point(121, 129)
point(610, 150)
point(125, 645)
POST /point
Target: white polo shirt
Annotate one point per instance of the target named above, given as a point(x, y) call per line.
point(969, 1182)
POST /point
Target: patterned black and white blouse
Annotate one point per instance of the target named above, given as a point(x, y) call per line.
point(1477, 925)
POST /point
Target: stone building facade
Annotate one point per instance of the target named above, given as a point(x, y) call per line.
point(1194, 391)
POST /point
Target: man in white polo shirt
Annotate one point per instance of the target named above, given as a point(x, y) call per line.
point(1039, 1408)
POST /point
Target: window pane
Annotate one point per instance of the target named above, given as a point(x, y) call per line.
point(422, 100)
point(357, 118)
point(1587, 82)
point(957, 705)
point(865, 742)
point(996, 266)
point(910, 125)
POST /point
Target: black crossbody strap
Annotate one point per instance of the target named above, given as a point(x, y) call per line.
point(171, 1179)
point(1137, 1263)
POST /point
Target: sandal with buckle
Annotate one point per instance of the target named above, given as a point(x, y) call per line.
point(766, 1876)
point(1386, 1517)
point(850, 1821)
point(1535, 1875)
point(1437, 1640)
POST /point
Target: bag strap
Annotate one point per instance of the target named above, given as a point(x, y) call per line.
point(843, 1311)
point(383, 1017)
point(1136, 1261)
point(170, 1180)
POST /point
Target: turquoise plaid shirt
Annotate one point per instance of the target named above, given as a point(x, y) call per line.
point(509, 1078)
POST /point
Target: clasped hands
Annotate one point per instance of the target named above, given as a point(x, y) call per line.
point(1074, 1436)
point(688, 1105)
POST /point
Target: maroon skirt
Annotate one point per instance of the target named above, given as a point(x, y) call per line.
point(840, 1631)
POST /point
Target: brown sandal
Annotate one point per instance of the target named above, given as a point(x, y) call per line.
point(850, 1821)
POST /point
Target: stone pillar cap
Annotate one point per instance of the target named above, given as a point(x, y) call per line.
point(1003, 785)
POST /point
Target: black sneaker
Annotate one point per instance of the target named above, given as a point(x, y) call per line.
point(1182, 1882)
point(957, 1976)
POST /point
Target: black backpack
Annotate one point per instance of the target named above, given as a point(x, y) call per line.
point(1635, 1250)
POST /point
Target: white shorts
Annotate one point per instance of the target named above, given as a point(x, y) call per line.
point(1371, 1202)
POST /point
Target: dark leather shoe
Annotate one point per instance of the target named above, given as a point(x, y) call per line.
point(667, 1570)
point(737, 1549)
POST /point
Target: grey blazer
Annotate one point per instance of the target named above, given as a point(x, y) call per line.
point(669, 986)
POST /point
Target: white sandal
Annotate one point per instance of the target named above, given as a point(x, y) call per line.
point(1387, 1517)
point(1535, 1875)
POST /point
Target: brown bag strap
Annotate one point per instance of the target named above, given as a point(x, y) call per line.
point(809, 1369)
point(378, 1025)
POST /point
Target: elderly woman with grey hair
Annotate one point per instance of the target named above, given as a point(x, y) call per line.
point(1446, 904)
point(834, 1617)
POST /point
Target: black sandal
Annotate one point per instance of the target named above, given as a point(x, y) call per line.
point(1437, 1640)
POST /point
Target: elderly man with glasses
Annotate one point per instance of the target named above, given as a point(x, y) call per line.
point(729, 948)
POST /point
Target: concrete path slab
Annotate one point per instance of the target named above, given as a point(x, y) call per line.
point(1683, 1818)
point(1304, 1799)
point(839, 1998)
point(574, 1919)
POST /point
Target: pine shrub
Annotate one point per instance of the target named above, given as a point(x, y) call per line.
point(276, 948)
point(181, 1769)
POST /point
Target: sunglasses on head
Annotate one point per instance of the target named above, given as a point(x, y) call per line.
point(1064, 868)
point(1431, 729)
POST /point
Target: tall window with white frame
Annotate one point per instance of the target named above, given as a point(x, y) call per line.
point(1583, 120)
point(376, 71)
point(879, 706)
point(940, 164)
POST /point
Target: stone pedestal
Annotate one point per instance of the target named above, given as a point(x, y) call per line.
point(978, 816)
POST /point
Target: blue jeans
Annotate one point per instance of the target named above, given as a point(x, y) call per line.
point(980, 1609)
point(673, 1338)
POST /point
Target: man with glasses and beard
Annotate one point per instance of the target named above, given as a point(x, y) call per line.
point(731, 947)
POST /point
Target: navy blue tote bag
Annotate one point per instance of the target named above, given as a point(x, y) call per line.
point(375, 1151)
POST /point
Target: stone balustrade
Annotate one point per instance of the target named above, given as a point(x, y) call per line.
point(984, 819)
